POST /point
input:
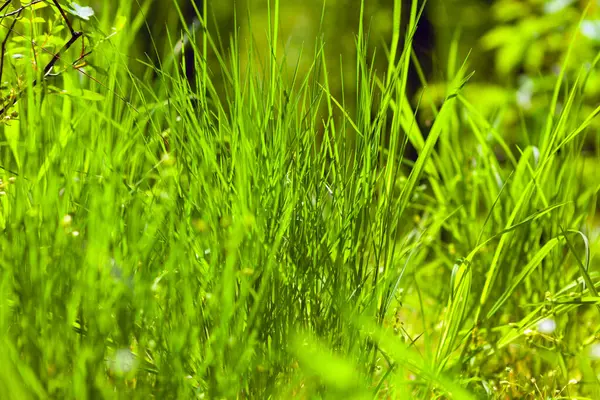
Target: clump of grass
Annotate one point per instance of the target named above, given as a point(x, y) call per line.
point(261, 238)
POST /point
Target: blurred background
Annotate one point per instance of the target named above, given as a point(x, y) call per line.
point(515, 47)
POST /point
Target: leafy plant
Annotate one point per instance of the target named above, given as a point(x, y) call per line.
point(256, 237)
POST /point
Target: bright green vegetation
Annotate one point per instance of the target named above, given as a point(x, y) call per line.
point(260, 237)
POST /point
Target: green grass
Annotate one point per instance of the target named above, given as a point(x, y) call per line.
point(257, 236)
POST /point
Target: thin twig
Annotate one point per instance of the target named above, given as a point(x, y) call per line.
point(18, 10)
point(4, 46)
point(55, 56)
point(62, 12)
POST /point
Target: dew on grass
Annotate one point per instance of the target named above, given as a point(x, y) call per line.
point(547, 326)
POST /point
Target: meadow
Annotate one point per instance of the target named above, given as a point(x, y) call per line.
point(224, 218)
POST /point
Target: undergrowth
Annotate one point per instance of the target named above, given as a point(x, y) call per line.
point(175, 236)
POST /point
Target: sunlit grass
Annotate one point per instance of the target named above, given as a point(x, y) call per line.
point(262, 237)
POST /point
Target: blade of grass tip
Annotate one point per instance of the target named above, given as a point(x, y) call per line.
point(423, 81)
point(541, 253)
point(347, 116)
point(409, 125)
point(525, 272)
point(583, 269)
point(199, 21)
point(187, 36)
point(579, 129)
point(482, 121)
point(424, 155)
point(141, 14)
point(453, 54)
point(460, 287)
point(556, 133)
point(489, 214)
point(273, 38)
point(400, 84)
point(454, 131)
point(410, 255)
point(360, 56)
point(396, 20)
point(547, 134)
point(527, 220)
point(495, 265)
point(525, 165)
point(491, 274)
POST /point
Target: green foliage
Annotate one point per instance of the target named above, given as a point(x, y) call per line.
point(245, 229)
